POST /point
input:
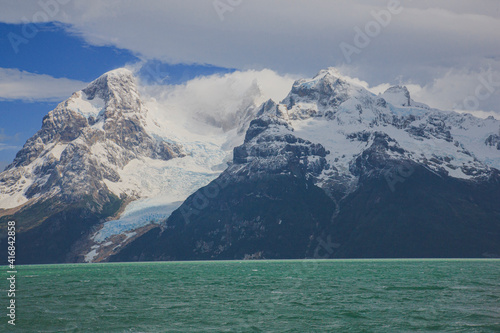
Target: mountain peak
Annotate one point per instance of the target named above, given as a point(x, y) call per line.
point(325, 77)
point(327, 89)
point(113, 79)
point(84, 144)
point(118, 72)
point(328, 73)
point(117, 88)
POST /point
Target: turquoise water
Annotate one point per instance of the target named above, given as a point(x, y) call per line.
point(260, 296)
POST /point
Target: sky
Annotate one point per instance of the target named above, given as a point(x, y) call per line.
point(446, 52)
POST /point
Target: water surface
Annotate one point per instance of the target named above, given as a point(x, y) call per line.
point(260, 296)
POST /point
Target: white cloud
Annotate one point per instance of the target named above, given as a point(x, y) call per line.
point(465, 90)
point(376, 89)
point(217, 99)
point(20, 85)
point(475, 91)
point(289, 36)
point(438, 47)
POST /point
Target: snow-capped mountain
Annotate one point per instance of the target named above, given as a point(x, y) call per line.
point(333, 170)
point(334, 164)
point(108, 153)
point(340, 121)
point(83, 144)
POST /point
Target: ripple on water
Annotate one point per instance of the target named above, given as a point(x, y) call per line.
point(261, 296)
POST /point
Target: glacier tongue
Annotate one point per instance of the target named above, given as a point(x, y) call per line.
point(159, 186)
point(139, 213)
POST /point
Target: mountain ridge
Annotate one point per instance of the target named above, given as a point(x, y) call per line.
point(103, 147)
point(329, 142)
point(337, 143)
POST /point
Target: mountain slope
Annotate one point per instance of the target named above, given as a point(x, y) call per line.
point(82, 143)
point(116, 158)
point(335, 171)
point(58, 186)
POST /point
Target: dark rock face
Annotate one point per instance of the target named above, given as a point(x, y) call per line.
point(278, 155)
point(287, 217)
point(274, 216)
point(425, 216)
point(48, 231)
